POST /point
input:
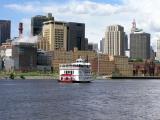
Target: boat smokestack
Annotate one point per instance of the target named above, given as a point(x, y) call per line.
point(20, 29)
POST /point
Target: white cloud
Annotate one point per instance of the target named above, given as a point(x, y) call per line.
point(21, 8)
point(99, 15)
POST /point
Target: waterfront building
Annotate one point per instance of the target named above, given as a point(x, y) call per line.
point(87, 55)
point(5, 30)
point(24, 56)
point(75, 36)
point(6, 61)
point(101, 65)
point(114, 40)
point(43, 61)
point(145, 68)
point(61, 56)
point(54, 36)
point(37, 23)
point(122, 66)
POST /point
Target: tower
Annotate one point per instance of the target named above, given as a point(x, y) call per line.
point(133, 29)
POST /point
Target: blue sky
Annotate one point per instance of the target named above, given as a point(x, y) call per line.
point(16, 16)
point(96, 14)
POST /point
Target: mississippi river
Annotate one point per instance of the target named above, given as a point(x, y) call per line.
point(99, 100)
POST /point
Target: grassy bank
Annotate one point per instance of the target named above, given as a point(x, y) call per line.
point(28, 75)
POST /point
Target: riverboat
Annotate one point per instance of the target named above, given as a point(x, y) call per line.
point(78, 72)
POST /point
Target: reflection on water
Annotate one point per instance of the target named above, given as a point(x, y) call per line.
point(100, 100)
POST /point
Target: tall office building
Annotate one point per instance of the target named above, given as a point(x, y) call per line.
point(140, 45)
point(76, 36)
point(5, 30)
point(92, 46)
point(95, 46)
point(86, 44)
point(102, 45)
point(37, 23)
point(126, 42)
point(158, 50)
point(54, 35)
point(152, 53)
point(114, 40)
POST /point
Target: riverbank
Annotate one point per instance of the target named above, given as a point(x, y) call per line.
point(28, 75)
point(126, 77)
point(136, 77)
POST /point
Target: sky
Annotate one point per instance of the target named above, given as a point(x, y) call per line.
point(96, 14)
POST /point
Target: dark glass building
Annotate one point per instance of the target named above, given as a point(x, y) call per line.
point(86, 44)
point(126, 42)
point(37, 23)
point(5, 30)
point(75, 36)
point(140, 45)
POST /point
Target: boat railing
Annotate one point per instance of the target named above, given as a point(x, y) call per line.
point(70, 65)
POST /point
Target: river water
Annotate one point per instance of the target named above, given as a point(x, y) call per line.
point(99, 100)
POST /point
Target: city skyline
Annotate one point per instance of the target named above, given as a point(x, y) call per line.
point(97, 15)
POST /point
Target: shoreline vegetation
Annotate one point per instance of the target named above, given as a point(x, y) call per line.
point(28, 75)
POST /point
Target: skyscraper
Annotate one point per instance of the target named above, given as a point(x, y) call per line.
point(37, 23)
point(92, 46)
point(76, 36)
point(5, 30)
point(102, 45)
point(158, 50)
point(54, 35)
point(114, 40)
point(86, 43)
point(140, 45)
point(126, 42)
